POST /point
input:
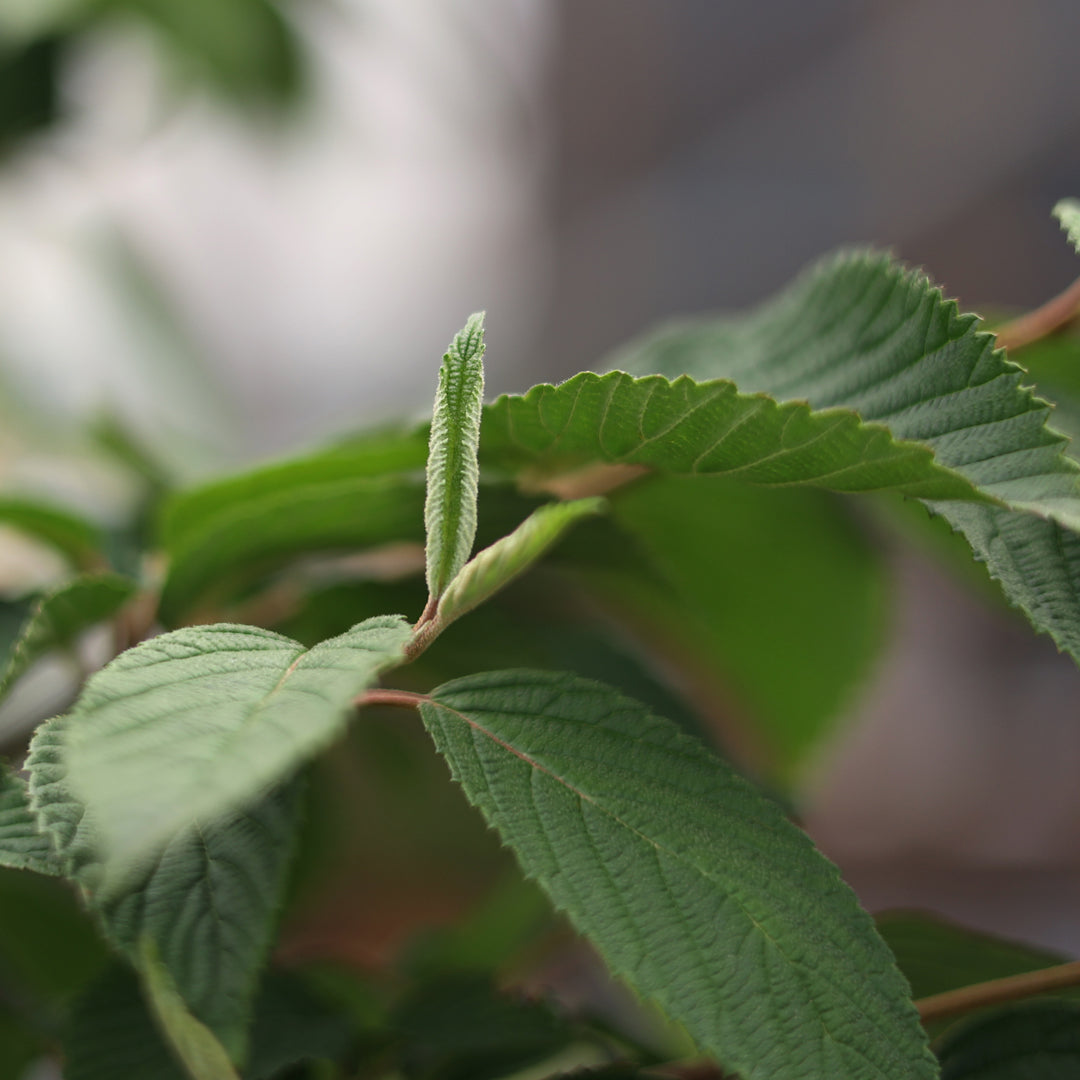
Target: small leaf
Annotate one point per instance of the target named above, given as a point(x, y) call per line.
point(22, 844)
point(195, 1045)
point(1067, 212)
point(60, 616)
point(496, 566)
point(1027, 1042)
point(693, 886)
point(209, 900)
point(76, 539)
point(196, 722)
point(452, 470)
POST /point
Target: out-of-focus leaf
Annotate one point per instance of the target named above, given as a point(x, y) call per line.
point(74, 537)
point(29, 88)
point(775, 604)
point(461, 1028)
point(1035, 1041)
point(60, 616)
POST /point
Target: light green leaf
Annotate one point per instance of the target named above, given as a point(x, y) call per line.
point(60, 616)
point(496, 566)
point(1067, 212)
point(75, 538)
point(208, 900)
point(859, 333)
point(452, 470)
point(198, 721)
point(203, 1056)
point(693, 886)
point(23, 846)
point(1027, 1042)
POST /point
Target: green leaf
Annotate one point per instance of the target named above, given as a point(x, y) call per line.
point(936, 956)
point(773, 602)
point(496, 566)
point(1067, 212)
point(208, 900)
point(60, 616)
point(76, 539)
point(452, 470)
point(859, 333)
point(203, 1056)
point(1027, 1042)
point(23, 846)
point(193, 723)
point(693, 886)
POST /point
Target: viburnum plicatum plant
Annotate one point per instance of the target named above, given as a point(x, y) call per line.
point(686, 516)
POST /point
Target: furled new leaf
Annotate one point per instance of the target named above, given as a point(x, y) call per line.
point(497, 565)
point(196, 722)
point(859, 334)
point(452, 470)
point(23, 846)
point(692, 884)
point(1067, 212)
point(1036, 1041)
point(208, 900)
point(60, 616)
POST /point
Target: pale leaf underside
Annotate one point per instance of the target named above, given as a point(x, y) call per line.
point(23, 846)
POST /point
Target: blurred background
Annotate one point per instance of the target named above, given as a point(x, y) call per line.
point(239, 227)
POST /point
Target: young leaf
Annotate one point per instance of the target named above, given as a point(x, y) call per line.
point(60, 616)
point(196, 722)
point(1067, 212)
point(204, 1057)
point(496, 566)
point(76, 539)
point(22, 844)
point(692, 884)
point(1027, 1042)
point(452, 470)
point(208, 901)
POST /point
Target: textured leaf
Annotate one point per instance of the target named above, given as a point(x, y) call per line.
point(452, 470)
point(60, 616)
point(1027, 1042)
point(693, 885)
point(208, 900)
point(497, 565)
point(22, 844)
point(1067, 212)
point(936, 956)
point(204, 1057)
point(859, 333)
point(76, 539)
point(198, 721)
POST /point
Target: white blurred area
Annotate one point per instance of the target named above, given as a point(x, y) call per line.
point(304, 277)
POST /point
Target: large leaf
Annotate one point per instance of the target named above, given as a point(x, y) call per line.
point(208, 900)
point(691, 883)
point(1028, 1042)
point(60, 616)
point(452, 470)
point(23, 846)
point(196, 722)
point(859, 333)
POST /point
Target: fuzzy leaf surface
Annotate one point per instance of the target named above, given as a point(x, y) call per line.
point(859, 333)
point(497, 565)
point(23, 846)
point(196, 722)
point(1036, 1041)
point(453, 474)
point(693, 885)
point(60, 616)
point(208, 900)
